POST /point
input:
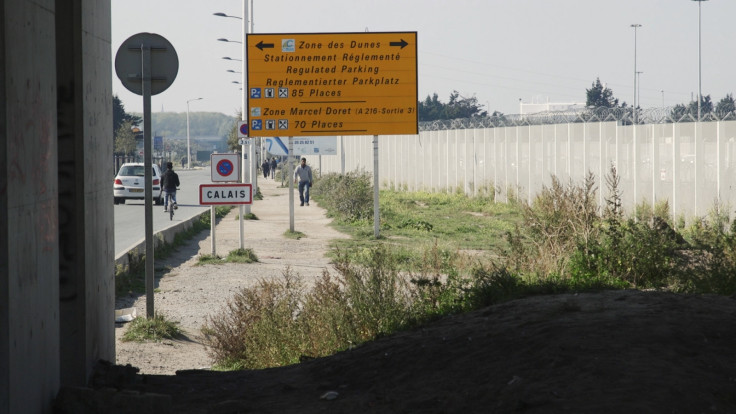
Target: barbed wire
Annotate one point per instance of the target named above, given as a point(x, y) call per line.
point(624, 116)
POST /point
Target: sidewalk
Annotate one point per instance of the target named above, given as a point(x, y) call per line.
point(188, 294)
point(265, 235)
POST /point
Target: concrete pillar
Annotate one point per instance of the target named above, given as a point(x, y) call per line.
point(29, 247)
point(56, 223)
point(87, 253)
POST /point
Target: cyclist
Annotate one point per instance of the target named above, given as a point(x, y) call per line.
point(169, 182)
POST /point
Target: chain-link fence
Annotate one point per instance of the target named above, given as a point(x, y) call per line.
point(691, 165)
point(624, 116)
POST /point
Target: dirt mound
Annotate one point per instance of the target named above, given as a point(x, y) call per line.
point(608, 352)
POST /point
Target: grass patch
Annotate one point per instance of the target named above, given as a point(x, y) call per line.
point(235, 256)
point(295, 235)
point(241, 256)
point(248, 216)
point(155, 329)
point(207, 259)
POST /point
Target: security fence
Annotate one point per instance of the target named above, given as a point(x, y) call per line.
point(689, 164)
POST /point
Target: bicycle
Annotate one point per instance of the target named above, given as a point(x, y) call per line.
point(171, 205)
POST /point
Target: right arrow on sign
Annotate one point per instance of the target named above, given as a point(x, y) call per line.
point(402, 43)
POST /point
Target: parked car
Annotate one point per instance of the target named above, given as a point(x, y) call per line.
point(129, 183)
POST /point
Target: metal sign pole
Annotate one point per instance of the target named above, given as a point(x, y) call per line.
point(241, 209)
point(291, 183)
point(213, 219)
point(145, 52)
point(148, 176)
point(376, 215)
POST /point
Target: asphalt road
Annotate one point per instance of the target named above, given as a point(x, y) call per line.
point(130, 219)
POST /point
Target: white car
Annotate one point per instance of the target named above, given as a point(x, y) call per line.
point(129, 183)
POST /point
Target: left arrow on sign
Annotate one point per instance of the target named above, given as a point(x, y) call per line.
point(262, 45)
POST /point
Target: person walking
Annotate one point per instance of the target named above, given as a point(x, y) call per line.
point(265, 166)
point(274, 164)
point(303, 174)
point(169, 182)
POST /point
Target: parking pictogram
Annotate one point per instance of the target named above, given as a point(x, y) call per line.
point(283, 92)
point(256, 124)
point(255, 93)
point(225, 168)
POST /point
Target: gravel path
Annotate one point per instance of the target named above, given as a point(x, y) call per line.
point(188, 293)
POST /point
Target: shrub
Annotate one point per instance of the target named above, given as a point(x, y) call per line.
point(560, 220)
point(258, 329)
point(347, 197)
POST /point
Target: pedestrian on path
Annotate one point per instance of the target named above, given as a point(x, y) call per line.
point(274, 164)
point(265, 166)
point(303, 174)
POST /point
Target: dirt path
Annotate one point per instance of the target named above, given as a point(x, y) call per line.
point(188, 293)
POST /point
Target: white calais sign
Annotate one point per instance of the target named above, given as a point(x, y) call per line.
point(225, 167)
point(225, 194)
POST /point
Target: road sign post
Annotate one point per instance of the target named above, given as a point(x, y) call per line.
point(147, 64)
point(225, 194)
point(225, 167)
point(317, 84)
point(332, 84)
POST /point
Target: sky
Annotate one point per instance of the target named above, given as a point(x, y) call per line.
point(500, 52)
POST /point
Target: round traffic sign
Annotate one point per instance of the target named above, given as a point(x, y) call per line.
point(164, 63)
point(225, 168)
point(244, 128)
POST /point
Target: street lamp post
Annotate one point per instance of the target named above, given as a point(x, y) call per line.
point(638, 88)
point(244, 116)
point(635, 26)
point(700, 93)
point(189, 152)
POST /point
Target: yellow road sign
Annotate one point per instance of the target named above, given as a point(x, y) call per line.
point(311, 84)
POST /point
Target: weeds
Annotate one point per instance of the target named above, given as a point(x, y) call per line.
point(296, 235)
point(242, 256)
point(153, 329)
point(561, 242)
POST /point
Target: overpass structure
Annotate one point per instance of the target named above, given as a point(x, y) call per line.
point(56, 227)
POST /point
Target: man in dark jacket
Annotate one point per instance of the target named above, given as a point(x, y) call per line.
point(274, 164)
point(264, 167)
point(169, 182)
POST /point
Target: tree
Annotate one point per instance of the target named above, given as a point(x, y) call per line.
point(726, 107)
point(458, 107)
point(119, 115)
point(232, 136)
point(119, 120)
point(600, 96)
point(125, 139)
point(706, 107)
point(678, 112)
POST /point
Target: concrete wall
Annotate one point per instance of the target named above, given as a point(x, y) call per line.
point(87, 286)
point(688, 164)
point(56, 226)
